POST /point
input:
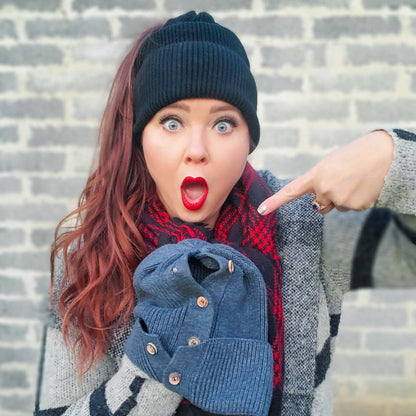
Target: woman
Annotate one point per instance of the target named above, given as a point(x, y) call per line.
point(173, 196)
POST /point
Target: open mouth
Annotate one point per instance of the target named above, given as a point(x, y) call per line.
point(194, 192)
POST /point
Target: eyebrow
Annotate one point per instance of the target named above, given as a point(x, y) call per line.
point(225, 107)
point(215, 109)
point(182, 106)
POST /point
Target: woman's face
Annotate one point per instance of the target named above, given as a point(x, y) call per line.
point(196, 150)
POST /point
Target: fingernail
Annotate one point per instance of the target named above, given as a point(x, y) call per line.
point(262, 209)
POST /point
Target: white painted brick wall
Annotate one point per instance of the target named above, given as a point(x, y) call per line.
point(327, 70)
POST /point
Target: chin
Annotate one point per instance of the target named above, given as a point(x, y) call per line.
point(197, 218)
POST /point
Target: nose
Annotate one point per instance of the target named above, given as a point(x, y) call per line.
point(197, 151)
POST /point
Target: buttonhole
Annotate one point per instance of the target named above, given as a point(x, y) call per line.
point(143, 325)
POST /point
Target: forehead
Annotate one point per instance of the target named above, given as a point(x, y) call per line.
point(204, 104)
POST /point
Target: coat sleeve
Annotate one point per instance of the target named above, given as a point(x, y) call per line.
point(377, 248)
point(109, 388)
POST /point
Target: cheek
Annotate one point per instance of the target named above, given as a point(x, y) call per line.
point(154, 153)
point(235, 157)
point(232, 162)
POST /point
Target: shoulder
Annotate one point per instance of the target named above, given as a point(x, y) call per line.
point(273, 183)
point(298, 210)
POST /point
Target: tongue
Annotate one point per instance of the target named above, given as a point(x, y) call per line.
point(194, 191)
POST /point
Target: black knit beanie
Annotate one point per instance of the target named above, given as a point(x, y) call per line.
point(192, 56)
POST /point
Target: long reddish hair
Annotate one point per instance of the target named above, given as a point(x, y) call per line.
point(104, 246)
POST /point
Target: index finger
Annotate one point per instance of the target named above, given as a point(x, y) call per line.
point(294, 189)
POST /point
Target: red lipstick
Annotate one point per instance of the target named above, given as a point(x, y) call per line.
point(194, 192)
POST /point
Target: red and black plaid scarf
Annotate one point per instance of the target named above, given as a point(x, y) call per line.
point(239, 225)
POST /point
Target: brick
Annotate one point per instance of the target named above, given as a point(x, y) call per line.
point(327, 137)
point(359, 408)
point(43, 81)
point(13, 379)
point(371, 365)
point(362, 81)
point(290, 166)
point(306, 108)
point(8, 134)
point(211, 7)
point(42, 285)
point(392, 111)
point(82, 5)
point(282, 27)
point(37, 108)
point(11, 236)
point(397, 389)
point(18, 308)
point(7, 29)
point(31, 54)
point(391, 341)
point(68, 187)
point(18, 355)
point(68, 28)
point(273, 4)
point(276, 57)
point(11, 286)
point(404, 408)
point(108, 52)
point(34, 5)
point(388, 296)
point(66, 135)
point(351, 297)
point(279, 137)
point(32, 212)
point(25, 261)
point(13, 333)
point(7, 82)
point(393, 54)
point(90, 107)
point(42, 236)
point(132, 27)
point(344, 388)
point(80, 162)
point(9, 184)
point(348, 339)
point(17, 402)
point(391, 4)
point(336, 27)
point(374, 317)
point(31, 161)
point(278, 83)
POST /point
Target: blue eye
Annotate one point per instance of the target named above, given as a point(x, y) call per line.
point(225, 126)
point(171, 124)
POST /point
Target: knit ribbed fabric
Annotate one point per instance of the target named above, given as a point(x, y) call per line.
point(192, 56)
point(229, 367)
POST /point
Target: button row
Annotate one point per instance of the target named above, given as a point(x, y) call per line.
point(152, 349)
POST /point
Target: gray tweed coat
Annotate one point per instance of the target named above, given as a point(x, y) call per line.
point(322, 258)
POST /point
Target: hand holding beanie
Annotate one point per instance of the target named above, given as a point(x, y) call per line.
point(201, 327)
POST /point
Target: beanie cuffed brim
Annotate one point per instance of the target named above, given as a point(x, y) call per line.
point(223, 375)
